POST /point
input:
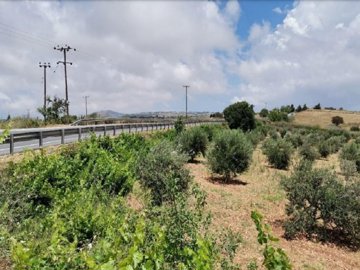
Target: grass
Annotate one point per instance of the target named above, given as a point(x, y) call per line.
point(231, 205)
point(322, 118)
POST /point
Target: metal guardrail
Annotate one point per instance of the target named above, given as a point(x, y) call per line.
point(81, 131)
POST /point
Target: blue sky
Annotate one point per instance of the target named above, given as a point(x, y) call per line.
point(134, 56)
point(257, 11)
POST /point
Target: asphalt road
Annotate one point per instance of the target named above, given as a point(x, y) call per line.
point(21, 146)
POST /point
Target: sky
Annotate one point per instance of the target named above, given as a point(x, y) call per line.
point(135, 56)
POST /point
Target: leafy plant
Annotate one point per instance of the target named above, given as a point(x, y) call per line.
point(278, 152)
point(274, 258)
point(229, 154)
point(161, 171)
point(337, 120)
point(193, 142)
point(179, 125)
point(240, 115)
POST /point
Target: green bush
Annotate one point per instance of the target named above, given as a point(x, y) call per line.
point(240, 115)
point(277, 115)
point(278, 152)
point(211, 130)
point(354, 128)
point(264, 112)
point(319, 205)
point(308, 152)
point(324, 148)
point(162, 172)
point(337, 120)
point(179, 125)
point(192, 142)
point(295, 139)
point(230, 153)
point(351, 151)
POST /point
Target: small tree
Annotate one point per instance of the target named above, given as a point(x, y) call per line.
point(278, 152)
point(230, 153)
point(179, 125)
point(277, 115)
point(337, 120)
point(193, 142)
point(298, 109)
point(304, 108)
point(240, 115)
point(55, 109)
point(317, 107)
point(264, 112)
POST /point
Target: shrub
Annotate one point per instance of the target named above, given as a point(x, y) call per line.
point(193, 142)
point(179, 125)
point(240, 115)
point(264, 112)
point(324, 148)
point(277, 115)
point(230, 154)
point(317, 107)
point(335, 144)
point(211, 130)
point(162, 172)
point(319, 205)
point(354, 128)
point(278, 152)
point(294, 138)
point(337, 120)
point(308, 152)
point(348, 168)
point(351, 151)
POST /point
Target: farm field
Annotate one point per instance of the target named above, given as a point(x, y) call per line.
point(114, 203)
point(259, 188)
point(322, 118)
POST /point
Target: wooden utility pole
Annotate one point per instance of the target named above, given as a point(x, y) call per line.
point(45, 66)
point(186, 102)
point(86, 98)
point(64, 50)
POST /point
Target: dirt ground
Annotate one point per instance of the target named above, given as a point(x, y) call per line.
point(259, 189)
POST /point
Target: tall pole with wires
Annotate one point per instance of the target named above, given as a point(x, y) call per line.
point(186, 102)
point(65, 50)
point(45, 66)
point(86, 98)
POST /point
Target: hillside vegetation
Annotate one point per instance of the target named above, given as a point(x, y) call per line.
point(322, 118)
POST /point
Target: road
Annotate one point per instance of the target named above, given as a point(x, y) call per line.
point(20, 146)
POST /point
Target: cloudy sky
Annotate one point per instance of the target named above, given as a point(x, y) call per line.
point(134, 56)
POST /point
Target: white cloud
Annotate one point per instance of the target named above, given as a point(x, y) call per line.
point(131, 55)
point(313, 56)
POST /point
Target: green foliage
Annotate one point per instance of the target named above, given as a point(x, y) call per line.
point(4, 134)
point(229, 154)
point(319, 205)
point(278, 152)
point(277, 115)
point(351, 151)
point(295, 139)
point(230, 242)
point(337, 120)
point(211, 130)
point(274, 258)
point(192, 142)
point(179, 125)
point(317, 107)
point(161, 171)
point(308, 152)
point(240, 115)
point(264, 112)
point(325, 148)
point(55, 111)
point(354, 128)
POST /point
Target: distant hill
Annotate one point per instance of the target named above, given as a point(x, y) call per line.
point(322, 118)
point(109, 114)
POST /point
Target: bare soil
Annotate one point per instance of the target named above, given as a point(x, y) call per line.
point(259, 189)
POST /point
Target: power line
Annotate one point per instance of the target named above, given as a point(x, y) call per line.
point(64, 50)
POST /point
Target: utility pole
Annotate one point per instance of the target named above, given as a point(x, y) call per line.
point(86, 98)
point(64, 50)
point(45, 66)
point(186, 102)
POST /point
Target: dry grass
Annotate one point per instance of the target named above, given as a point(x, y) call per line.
point(322, 118)
point(259, 188)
